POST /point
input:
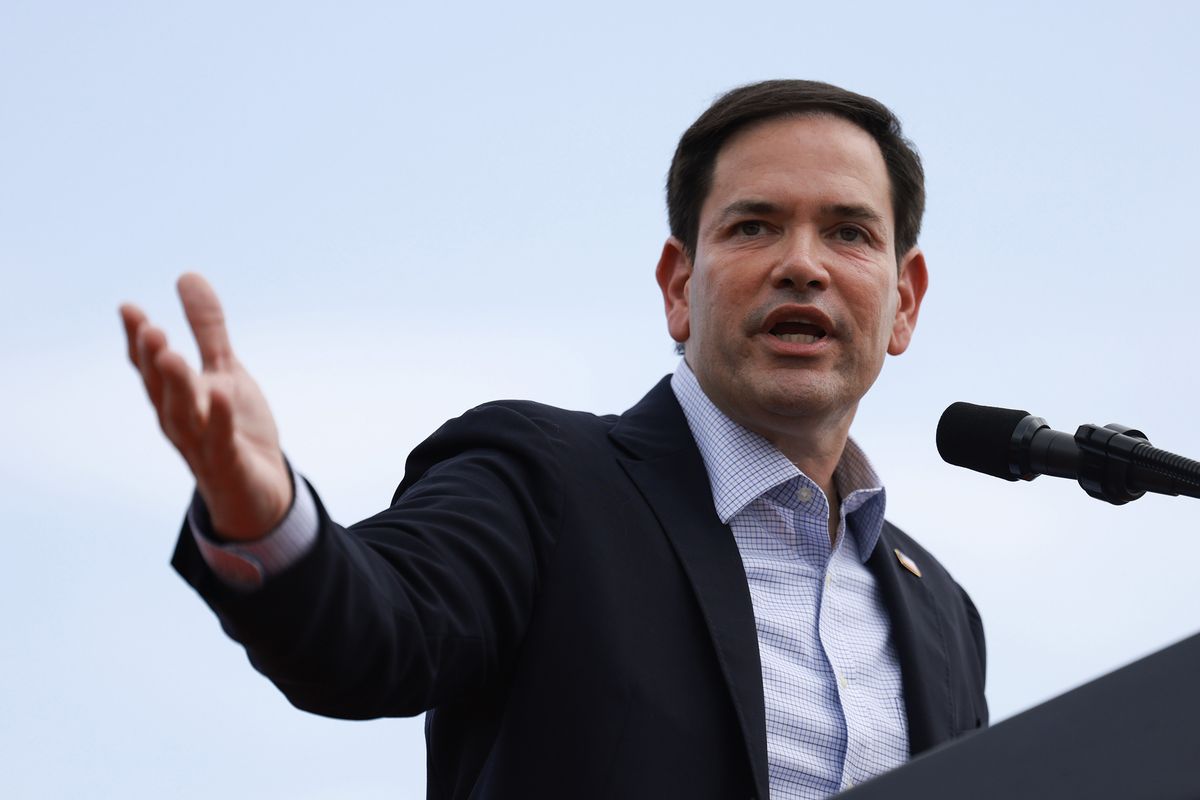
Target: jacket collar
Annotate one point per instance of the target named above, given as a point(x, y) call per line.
point(920, 643)
point(662, 459)
point(663, 462)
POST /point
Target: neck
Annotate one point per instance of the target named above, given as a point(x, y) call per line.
point(816, 450)
point(819, 461)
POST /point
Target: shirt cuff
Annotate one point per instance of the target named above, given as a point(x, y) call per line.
point(246, 565)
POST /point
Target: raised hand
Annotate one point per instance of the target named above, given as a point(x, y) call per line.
point(217, 419)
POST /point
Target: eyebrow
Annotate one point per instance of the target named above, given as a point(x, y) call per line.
point(740, 208)
point(851, 211)
point(859, 213)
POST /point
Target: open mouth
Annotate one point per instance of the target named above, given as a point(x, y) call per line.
point(797, 332)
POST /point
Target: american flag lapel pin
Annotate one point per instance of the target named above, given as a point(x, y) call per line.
point(907, 562)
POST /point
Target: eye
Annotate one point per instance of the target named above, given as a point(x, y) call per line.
point(751, 227)
point(849, 233)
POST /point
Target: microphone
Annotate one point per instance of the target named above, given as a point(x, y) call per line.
point(1112, 463)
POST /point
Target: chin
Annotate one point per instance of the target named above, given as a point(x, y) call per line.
point(796, 399)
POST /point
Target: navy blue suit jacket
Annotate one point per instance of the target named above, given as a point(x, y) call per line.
point(556, 590)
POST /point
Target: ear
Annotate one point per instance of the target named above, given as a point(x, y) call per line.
point(911, 284)
point(674, 273)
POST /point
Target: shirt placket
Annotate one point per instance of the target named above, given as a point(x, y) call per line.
point(831, 619)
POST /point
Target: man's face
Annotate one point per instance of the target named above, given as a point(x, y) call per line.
point(793, 295)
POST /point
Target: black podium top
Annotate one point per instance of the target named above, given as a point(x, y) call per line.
point(1134, 733)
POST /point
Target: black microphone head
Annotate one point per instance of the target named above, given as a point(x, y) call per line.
point(979, 437)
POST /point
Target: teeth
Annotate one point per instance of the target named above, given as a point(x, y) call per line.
point(801, 338)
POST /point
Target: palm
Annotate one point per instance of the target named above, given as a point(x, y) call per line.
point(217, 419)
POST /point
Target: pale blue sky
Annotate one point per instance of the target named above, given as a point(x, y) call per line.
point(409, 210)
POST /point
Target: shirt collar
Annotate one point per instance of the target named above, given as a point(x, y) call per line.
point(742, 465)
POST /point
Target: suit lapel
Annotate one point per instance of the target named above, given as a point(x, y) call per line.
point(666, 467)
point(920, 645)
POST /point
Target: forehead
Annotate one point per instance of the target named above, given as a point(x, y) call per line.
point(798, 160)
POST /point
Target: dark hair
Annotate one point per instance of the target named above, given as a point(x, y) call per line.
point(690, 177)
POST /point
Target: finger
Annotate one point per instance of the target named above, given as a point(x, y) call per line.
point(218, 432)
point(132, 318)
point(150, 342)
point(204, 314)
point(180, 412)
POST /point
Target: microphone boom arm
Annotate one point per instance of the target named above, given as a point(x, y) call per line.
point(1113, 463)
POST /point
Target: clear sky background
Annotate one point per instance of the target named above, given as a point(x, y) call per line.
point(412, 208)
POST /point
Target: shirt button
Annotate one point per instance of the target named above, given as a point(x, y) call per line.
point(805, 494)
point(828, 580)
point(842, 682)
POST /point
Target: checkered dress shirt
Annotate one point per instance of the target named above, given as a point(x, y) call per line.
point(831, 680)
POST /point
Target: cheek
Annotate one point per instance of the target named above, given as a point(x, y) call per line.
point(709, 303)
point(876, 309)
point(730, 292)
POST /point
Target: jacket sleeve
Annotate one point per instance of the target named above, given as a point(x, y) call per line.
point(427, 600)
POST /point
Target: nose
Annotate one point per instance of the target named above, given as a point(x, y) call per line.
point(801, 265)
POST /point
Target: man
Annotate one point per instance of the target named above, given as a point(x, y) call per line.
point(699, 598)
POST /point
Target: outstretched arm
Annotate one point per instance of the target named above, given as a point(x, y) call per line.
point(419, 605)
point(217, 418)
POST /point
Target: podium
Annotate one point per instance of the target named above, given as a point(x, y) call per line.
point(1134, 733)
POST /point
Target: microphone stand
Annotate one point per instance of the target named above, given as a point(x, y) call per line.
point(1118, 464)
